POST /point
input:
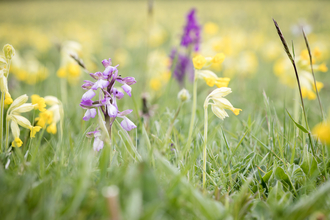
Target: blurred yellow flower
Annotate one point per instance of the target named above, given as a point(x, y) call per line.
point(8, 99)
point(38, 102)
point(17, 142)
point(52, 128)
point(199, 61)
point(322, 132)
point(28, 69)
point(218, 58)
point(283, 69)
point(155, 84)
point(322, 67)
point(69, 69)
point(211, 28)
point(52, 115)
point(212, 79)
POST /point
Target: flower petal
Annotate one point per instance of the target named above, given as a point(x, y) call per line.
point(98, 144)
point(88, 95)
point(127, 89)
point(90, 113)
point(100, 84)
point(127, 124)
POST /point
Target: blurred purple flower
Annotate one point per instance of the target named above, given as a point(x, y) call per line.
point(183, 66)
point(191, 32)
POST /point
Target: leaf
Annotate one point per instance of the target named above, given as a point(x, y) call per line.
point(282, 176)
point(267, 176)
point(302, 128)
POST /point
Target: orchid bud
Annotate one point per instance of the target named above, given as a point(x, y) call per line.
point(183, 95)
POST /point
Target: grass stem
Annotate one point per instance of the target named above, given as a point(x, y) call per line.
point(193, 114)
point(2, 105)
point(205, 143)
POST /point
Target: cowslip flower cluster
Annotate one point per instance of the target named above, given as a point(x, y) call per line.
point(52, 115)
point(191, 32)
point(106, 104)
point(14, 117)
point(208, 76)
point(28, 69)
point(69, 69)
point(282, 66)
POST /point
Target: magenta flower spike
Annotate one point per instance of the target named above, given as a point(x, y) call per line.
point(106, 104)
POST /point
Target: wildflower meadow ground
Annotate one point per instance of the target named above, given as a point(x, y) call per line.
point(164, 110)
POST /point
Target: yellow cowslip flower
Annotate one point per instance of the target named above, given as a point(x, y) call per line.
point(218, 58)
point(304, 54)
point(199, 61)
point(34, 130)
point(38, 102)
point(61, 72)
point(15, 132)
point(307, 85)
point(322, 67)
point(69, 69)
point(219, 103)
point(18, 106)
point(44, 118)
point(8, 99)
point(212, 79)
point(28, 69)
point(52, 115)
point(322, 132)
point(17, 142)
point(52, 128)
point(73, 70)
point(308, 94)
point(283, 69)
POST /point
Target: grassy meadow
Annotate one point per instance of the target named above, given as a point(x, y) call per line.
point(265, 162)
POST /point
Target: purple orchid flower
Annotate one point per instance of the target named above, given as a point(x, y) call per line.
point(191, 32)
point(107, 101)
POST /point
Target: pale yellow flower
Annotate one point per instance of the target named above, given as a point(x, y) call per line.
point(219, 103)
point(212, 79)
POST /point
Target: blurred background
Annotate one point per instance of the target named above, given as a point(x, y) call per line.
point(140, 35)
